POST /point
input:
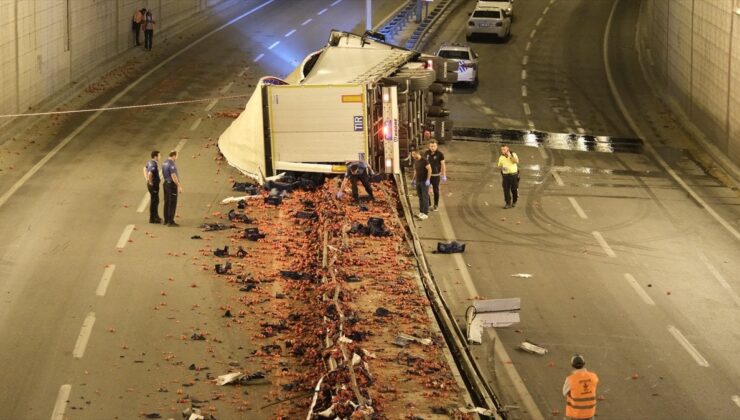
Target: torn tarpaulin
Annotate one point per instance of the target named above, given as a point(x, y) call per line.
point(239, 217)
point(253, 234)
point(245, 187)
point(450, 247)
point(209, 227)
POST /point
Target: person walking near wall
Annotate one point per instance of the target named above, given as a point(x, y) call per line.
point(421, 181)
point(508, 162)
point(136, 21)
point(579, 391)
point(436, 160)
point(151, 174)
point(148, 30)
point(172, 188)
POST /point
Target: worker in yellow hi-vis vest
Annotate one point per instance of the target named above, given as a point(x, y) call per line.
point(508, 162)
point(579, 391)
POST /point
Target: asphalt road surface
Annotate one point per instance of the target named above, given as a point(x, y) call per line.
point(627, 267)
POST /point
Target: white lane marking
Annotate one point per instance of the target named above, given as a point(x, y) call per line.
point(291, 32)
point(525, 59)
point(552, 1)
point(258, 58)
point(274, 44)
point(84, 336)
point(568, 130)
point(241, 73)
point(530, 123)
point(524, 74)
point(640, 291)
point(529, 45)
point(211, 105)
point(526, 109)
point(720, 278)
point(547, 9)
point(605, 246)
point(196, 123)
point(322, 11)
point(477, 101)
point(499, 350)
point(531, 34)
point(61, 405)
point(306, 22)
point(31, 172)
point(538, 22)
point(700, 360)
point(143, 204)
point(736, 400)
point(105, 280)
point(580, 130)
point(335, 2)
point(487, 110)
point(576, 122)
point(649, 147)
point(180, 145)
point(543, 152)
point(558, 179)
point(226, 88)
point(123, 240)
point(524, 90)
point(577, 207)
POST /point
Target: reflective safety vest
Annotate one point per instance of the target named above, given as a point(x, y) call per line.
point(580, 402)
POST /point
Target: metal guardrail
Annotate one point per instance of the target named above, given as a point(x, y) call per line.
point(398, 21)
point(416, 38)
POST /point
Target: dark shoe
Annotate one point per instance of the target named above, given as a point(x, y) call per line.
point(172, 224)
point(155, 221)
point(508, 206)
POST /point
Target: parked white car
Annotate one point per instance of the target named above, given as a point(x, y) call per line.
point(488, 21)
point(506, 5)
point(467, 59)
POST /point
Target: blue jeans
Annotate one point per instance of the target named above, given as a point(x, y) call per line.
point(423, 192)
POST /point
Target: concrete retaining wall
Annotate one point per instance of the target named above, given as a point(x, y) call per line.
point(693, 48)
point(46, 45)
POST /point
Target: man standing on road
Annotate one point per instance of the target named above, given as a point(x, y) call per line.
point(172, 188)
point(148, 30)
point(422, 181)
point(508, 162)
point(136, 20)
point(151, 174)
point(579, 391)
point(357, 171)
point(436, 160)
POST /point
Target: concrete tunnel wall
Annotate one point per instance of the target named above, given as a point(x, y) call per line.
point(692, 47)
point(48, 45)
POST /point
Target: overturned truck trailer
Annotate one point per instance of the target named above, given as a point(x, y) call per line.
point(358, 98)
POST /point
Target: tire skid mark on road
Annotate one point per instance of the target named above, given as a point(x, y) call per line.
point(60, 407)
point(84, 337)
point(686, 344)
point(640, 291)
point(105, 280)
point(125, 235)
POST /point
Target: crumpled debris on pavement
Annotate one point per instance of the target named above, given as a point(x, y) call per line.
point(210, 227)
point(246, 187)
point(452, 247)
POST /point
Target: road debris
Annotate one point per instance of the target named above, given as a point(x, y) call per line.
point(450, 247)
point(522, 275)
point(533, 348)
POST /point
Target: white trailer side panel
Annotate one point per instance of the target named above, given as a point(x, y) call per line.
point(318, 123)
point(243, 143)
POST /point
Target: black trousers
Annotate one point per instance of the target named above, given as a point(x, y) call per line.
point(435, 188)
point(510, 182)
point(135, 28)
point(170, 201)
point(365, 179)
point(148, 37)
point(154, 202)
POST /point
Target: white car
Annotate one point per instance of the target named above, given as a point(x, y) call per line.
point(506, 5)
point(488, 21)
point(466, 57)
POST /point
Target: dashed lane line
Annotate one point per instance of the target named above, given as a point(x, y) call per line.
point(306, 22)
point(241, 73)
point(736, 400)
point(543, 153)
point(321, 12)
point(84, 336)
point(640, 291)
point(143, 204)
point(720, 278)
point(605, 246)
point(558, 179)
point(684, 342)
point(123, 240)
point(335, 2)
point(180, 145)
point(195, 124)
point(530, 124)
point(211, 105)
point(258, 58)
point(524, 90)
point(577, 207)
point(525, 59)
point(524, 74)
point(527, 111)
point(105, 280)
point(291, 32)
point(547, 9)
point(226, 88)
point(274, 44)
point(529, 45)
point(60, 407)
point(531, 34)
point(539, 21)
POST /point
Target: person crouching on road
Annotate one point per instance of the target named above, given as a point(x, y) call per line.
point(508, 162)
point(151, 174)
point(421, 181)
point(579, 391)
point(172, 188)
point(357, 171)
point(439, 170)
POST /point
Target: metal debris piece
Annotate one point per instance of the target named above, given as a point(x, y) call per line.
point(522, 275)
point(531, 347)
point(408, 337)
point(491, 313)
point(227, 378)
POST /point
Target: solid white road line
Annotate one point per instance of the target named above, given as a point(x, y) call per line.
point(306, 22)
point(84, 336)
point(524, 74)
point(526, 109)
point(274, 44)
point(736, 400)
point(649, 147)
point(291, 32)
point(61, 405)
point(144, 203)
point(196, 123)
point(531, 34)
point(180, 145)
point(578, 208)
point(500, 353)
point(258, 58)
point(226, 88)
point(700, 360)
point(105, 280)
point(720, 278)
point(524, 90)
point(211, 105)
point(605, 246)
point(640, 291)
point(558, 179)
point(123, 240)
point(322, 11)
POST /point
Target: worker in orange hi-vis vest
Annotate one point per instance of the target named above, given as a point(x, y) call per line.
point(579, 391)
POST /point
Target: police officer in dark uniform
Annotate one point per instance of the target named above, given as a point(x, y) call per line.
point(357, 171)
point(151, 174)
point(172, 188)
